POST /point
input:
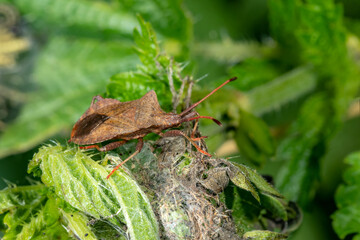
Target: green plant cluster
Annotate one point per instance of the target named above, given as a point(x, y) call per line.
point(346, 218)
point(293, 95)
point(80, 193)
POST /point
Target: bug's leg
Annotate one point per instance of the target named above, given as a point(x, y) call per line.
point(90, 147)
point(194, 131)
point(174, 133)
point(107, 147)
point(139, 146)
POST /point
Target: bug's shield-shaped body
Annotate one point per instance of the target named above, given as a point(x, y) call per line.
point(108, 119)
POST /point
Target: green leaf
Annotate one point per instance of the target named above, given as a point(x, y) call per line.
point(231, 51)
point(66, 88)
point(82, 184)
point(253, 73)
point(33, 216)
point(296, 179)
point(246, 178)
point(177, 27)
point(248, 214)
point(154, 74)
point(245, 210)
point(259, 181)
point(240, 178)
point(280, 91)
point(346, 219)
point(147, 46)
point(78, 225)
point(253, 138)
point(44, 225)
point(264, 235)
point(131, 85)
point(70, 70)
point(248, 149)
point(275, 206)
point(79, 13)
point(313, 32)
point(270, 199)
point(110, 19)
point(13, 197)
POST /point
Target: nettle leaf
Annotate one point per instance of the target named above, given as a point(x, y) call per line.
point(346, 220)
point(147, 46)
point(33, 215)
point(299, 172)
point(253, 138)
point(44, 224)
point(280, 91)
point(240, 179)
point(275, 205)
point(154, 74)
point(155, 63)
point(270, 214)
point(254, 72)
point(66, 88)
point(269, 198)
point(77, 224)
point(267, 210)
point(13, 197)
point(245, 210)
point(131, 85)
point(79, 13)
point(313, 32)
point(264, 235)
point(177, 24)
point(259, 181)
point(83, 185)
point(232, 51)
point(71, 70)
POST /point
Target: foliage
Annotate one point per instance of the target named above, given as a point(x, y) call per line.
point(325, 48)
point(93, 43)
point(298, 69)
point(80, 192)
point(153, 74)
point(82, 184)
point(346, 218)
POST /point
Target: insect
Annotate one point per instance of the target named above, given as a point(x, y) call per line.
point(109, 119)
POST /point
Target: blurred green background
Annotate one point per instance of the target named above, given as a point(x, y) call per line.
point(297, 64)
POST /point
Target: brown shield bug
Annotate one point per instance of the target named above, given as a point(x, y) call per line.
point(110, 119)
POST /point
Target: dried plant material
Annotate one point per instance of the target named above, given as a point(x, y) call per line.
point(187, 210)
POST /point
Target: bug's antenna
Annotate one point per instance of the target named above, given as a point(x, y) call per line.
point(211, 93)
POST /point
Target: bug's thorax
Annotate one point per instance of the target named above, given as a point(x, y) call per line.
point(169, 120)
